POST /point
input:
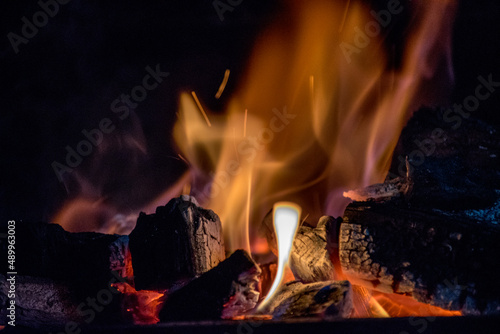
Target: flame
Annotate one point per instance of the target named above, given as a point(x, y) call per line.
point(286, 217)
point(403, 306)
point(143, 307)
point(309, 120)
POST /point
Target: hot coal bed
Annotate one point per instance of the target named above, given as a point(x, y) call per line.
point(429, 233)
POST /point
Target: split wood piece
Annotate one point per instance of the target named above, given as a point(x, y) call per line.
point(446, 259)
point(227, 290)
point(309, 259)
point(330, 300)
point(87, 261)
point(393, 188)
point(177, 243)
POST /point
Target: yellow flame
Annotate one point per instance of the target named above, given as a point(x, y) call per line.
point(286, 217)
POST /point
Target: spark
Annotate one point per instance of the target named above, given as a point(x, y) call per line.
point(286, 217)
point(201, 108)
point(183, 159)
point(311, 90)
point(249, 194)
point(345, 15)
point(234, 145)
point(222, 85)
point(245, 124)
point(303, 220)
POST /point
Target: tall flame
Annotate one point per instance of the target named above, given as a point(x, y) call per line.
point(310, 119)
point(286, 217)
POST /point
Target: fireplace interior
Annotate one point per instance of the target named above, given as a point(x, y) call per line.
point(245, 167)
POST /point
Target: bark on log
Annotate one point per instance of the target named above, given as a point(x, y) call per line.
point(329, 300)
point(227, 290)
point(446, 259)
point(178, 242)
point(309, 259)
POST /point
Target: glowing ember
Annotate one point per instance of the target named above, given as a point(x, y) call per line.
point(286, 217)
point(142, 306)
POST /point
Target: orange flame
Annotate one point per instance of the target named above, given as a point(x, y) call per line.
point(319, 111)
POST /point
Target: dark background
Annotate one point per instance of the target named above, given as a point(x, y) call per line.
point(65, 78)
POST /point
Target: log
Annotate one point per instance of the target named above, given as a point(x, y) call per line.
point(330, 300)
point(45, 303)
point(177, 243)
point(86, 261)
point(40, 302)
point(309, 259)
point(225, 291)
point(431, 229)
point(442, 258)
point(453, 165)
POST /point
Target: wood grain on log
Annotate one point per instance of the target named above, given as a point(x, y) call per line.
point(178, 242)
point(441, 258)
point(309, 259)
point(329, 300)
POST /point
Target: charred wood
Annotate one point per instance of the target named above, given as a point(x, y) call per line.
point(452, 165)
point(442, 258)
point(309, 258)
point(226, 290)
point(85, 261)
point(177, 243)
point(329, 300)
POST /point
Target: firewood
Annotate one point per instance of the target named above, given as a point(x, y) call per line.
point(442, 258)
point(453, 166)
point(224, 291)
point(329, 300)
point(178, 242)
point(46, 303)
point(309, 258)
point(40, 302)
point(431, 232)
point(86, 261)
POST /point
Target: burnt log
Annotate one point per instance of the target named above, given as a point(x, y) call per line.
point(453, 165)
point(431, 230)
point(309, 258)
point(225, 291)
point(45, 303)
point(329, 300)
point(39, 302)
point(86, 261)
point(446, 259)
point(177, 243)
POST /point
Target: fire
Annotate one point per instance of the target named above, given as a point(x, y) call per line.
point(315, 114)
point(286, 217)
point(319, 110)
